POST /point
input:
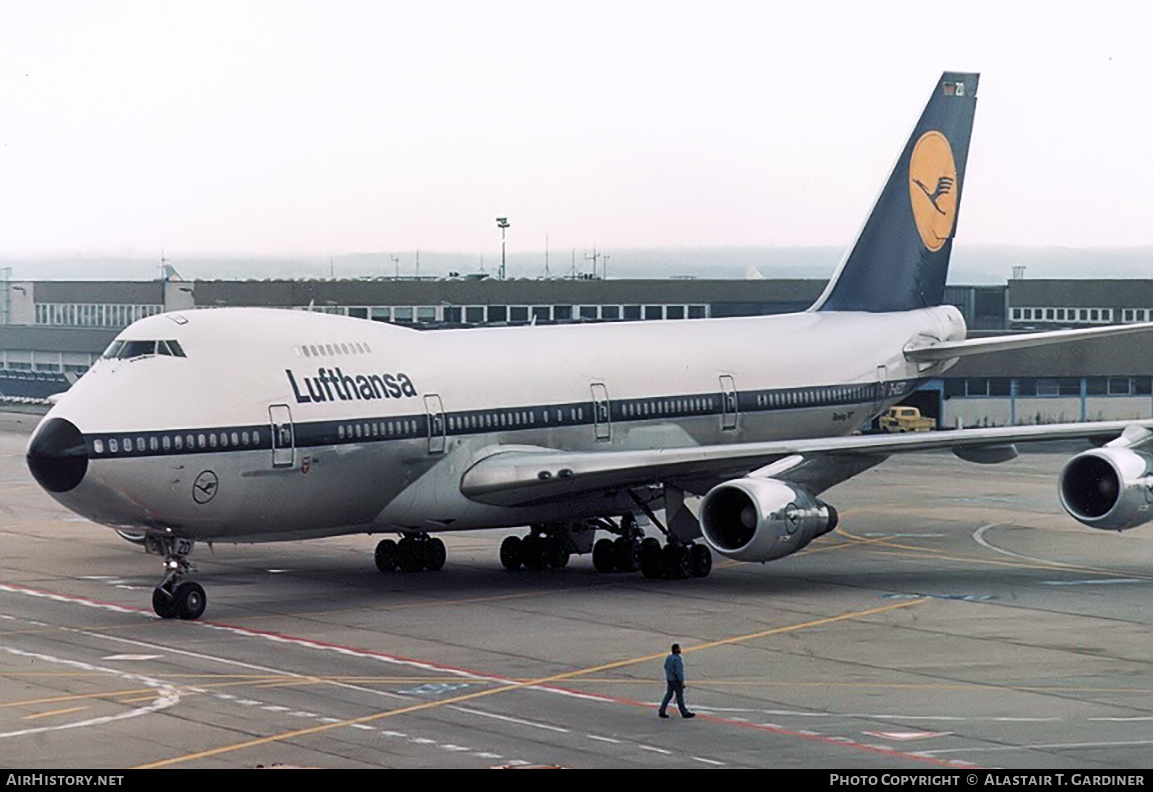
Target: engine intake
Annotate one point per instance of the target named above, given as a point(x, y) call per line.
point(762, 519)
point(1108, 488)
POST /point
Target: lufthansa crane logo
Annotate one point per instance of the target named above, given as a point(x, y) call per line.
point(933, 189)
point(205, 486)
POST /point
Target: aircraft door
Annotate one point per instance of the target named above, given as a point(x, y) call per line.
point(436, 424)
point(728, 402)
point(882, 378)
point(283, 436)
point(601, 422)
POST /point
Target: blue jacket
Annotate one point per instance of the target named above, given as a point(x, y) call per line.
point(674, 668)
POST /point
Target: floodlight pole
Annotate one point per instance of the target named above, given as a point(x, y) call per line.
point(502, 224)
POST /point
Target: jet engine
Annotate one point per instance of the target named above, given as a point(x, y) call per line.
point(1108, 488)
point(762, 519)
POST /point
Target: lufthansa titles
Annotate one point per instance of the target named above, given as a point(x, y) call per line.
point(335, 385)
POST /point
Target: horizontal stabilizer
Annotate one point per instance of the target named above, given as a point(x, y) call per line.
point(950, 350)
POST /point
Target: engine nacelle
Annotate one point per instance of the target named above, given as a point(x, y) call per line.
point(1108, 488)
point(761, 519)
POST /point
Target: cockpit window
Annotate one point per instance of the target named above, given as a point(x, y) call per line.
point(133, 349)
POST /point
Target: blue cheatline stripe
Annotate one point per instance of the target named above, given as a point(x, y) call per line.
point(415, 426)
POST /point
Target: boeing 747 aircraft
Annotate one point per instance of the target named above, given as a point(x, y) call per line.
point(248, 425)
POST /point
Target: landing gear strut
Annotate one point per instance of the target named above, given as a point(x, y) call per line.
point(678, 559)
point(176, 596)
point(413, 553)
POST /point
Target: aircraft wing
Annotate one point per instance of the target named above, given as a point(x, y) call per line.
point(523, 475)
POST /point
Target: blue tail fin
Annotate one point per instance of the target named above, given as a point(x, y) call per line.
point(901, 257)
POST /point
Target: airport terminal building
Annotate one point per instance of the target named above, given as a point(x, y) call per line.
point(52, 331)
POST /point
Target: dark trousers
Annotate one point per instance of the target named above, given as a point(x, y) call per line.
point(675, 689)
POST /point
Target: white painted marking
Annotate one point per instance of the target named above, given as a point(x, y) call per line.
point(384, 733)
point(362, 727)
point(713, 762)
point(71, 600)
point(1028, 720)
point(508, 719)
point(169, 694)
point(275, 708)
point(875, 535)
point(455, 748)
point(1091, 582)
point(1125, 720)
point(979, 538)
point(654, 749)
point(249, 702)
point(422, 741)
point(991, 749)
point(132, 657)
point(906, 736)
point(603, 739)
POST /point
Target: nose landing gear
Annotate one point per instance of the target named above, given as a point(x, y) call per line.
point(176, 596)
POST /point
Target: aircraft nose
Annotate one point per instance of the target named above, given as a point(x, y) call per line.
point(57, 455)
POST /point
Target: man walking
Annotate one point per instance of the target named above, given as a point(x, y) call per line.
point(675, 680)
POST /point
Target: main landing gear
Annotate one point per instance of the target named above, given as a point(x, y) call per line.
point(413, 553)
point(550, 546)
point(176, 597)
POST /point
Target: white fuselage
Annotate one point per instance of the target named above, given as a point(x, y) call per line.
point(286, 424)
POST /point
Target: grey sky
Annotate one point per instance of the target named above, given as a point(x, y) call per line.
point(288, 128)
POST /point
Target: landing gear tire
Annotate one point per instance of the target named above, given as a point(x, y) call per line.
point(603, 555)
point(435, 555)
point(190, 600)
point(511, 553)
point(555, 553)
point(675, 559)
point(626, 554)
point(534, 553)
point(163, 603)
point(387, 555)
point(700, 561)
point(410, 557)
point(651, 566)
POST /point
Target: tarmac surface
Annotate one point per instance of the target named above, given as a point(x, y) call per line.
point(957, 618)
